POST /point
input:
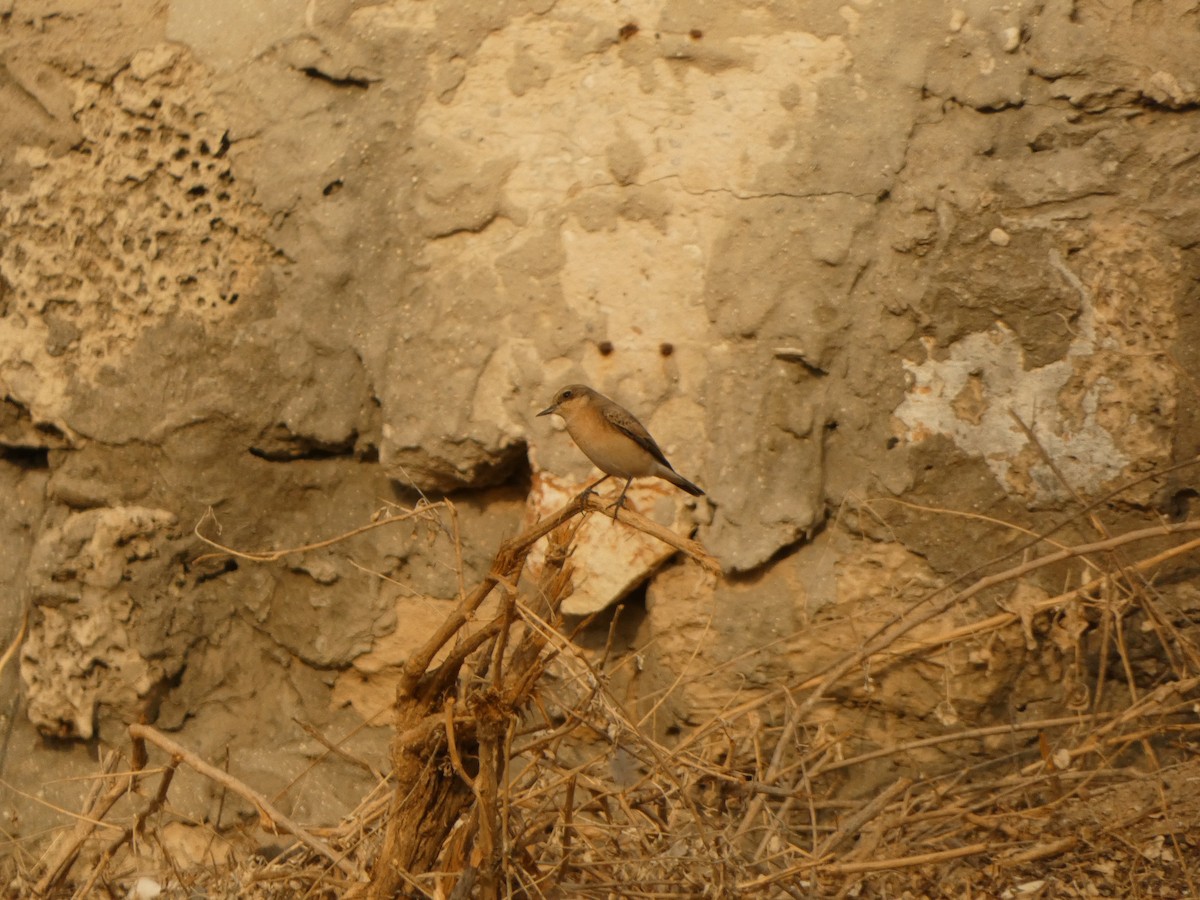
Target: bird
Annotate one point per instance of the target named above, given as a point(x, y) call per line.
point(610, 436)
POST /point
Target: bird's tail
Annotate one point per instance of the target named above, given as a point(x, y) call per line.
point(680, 482)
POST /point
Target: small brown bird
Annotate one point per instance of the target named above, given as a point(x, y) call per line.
point(613, 439)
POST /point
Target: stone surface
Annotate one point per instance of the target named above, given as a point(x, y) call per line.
point(300, 263)
point(609, 560)
point(87, 590)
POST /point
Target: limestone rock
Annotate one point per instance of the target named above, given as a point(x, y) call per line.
point(609, 559)
point(84, 646)
point(765, 458)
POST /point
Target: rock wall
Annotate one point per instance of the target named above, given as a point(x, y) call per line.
point(267, 270)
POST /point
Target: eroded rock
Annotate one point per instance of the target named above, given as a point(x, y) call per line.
point(92, 581)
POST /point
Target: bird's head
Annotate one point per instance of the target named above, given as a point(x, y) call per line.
point(568, 400)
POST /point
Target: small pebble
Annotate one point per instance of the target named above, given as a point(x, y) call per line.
point(999, 237)
point(145, 889)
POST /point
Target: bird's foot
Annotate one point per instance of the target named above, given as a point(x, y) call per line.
point(587, 492)
point(620, 501)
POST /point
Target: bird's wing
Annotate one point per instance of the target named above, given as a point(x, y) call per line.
point(625, 421)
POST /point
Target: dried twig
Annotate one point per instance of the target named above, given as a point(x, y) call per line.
point(275, 555)
point(66, 850)
point(273, 818)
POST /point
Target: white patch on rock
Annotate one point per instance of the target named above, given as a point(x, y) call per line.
point(1083, 450)
point(642, 169)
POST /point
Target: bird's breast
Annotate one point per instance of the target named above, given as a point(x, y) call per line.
point(613, 452)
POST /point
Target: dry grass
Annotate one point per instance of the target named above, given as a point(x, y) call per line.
point(515, 772)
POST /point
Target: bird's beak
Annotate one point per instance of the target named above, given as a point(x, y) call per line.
point(552, 408)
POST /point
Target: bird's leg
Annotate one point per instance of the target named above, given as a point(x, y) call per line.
point(616, 507)
point(590, 489)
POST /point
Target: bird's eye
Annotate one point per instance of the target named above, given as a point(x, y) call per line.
point(566, 395)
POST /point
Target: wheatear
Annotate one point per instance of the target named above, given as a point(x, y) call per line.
point(613, 439)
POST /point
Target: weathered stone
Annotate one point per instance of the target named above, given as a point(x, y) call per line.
point(296, 262)
point(84, 646)
point(610, 560)
point(765, 458)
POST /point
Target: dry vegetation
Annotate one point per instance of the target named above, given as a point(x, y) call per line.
point(503, 778)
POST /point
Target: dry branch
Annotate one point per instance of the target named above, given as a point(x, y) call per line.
point(427, 802)
point(66, 850)
point(273, 819)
